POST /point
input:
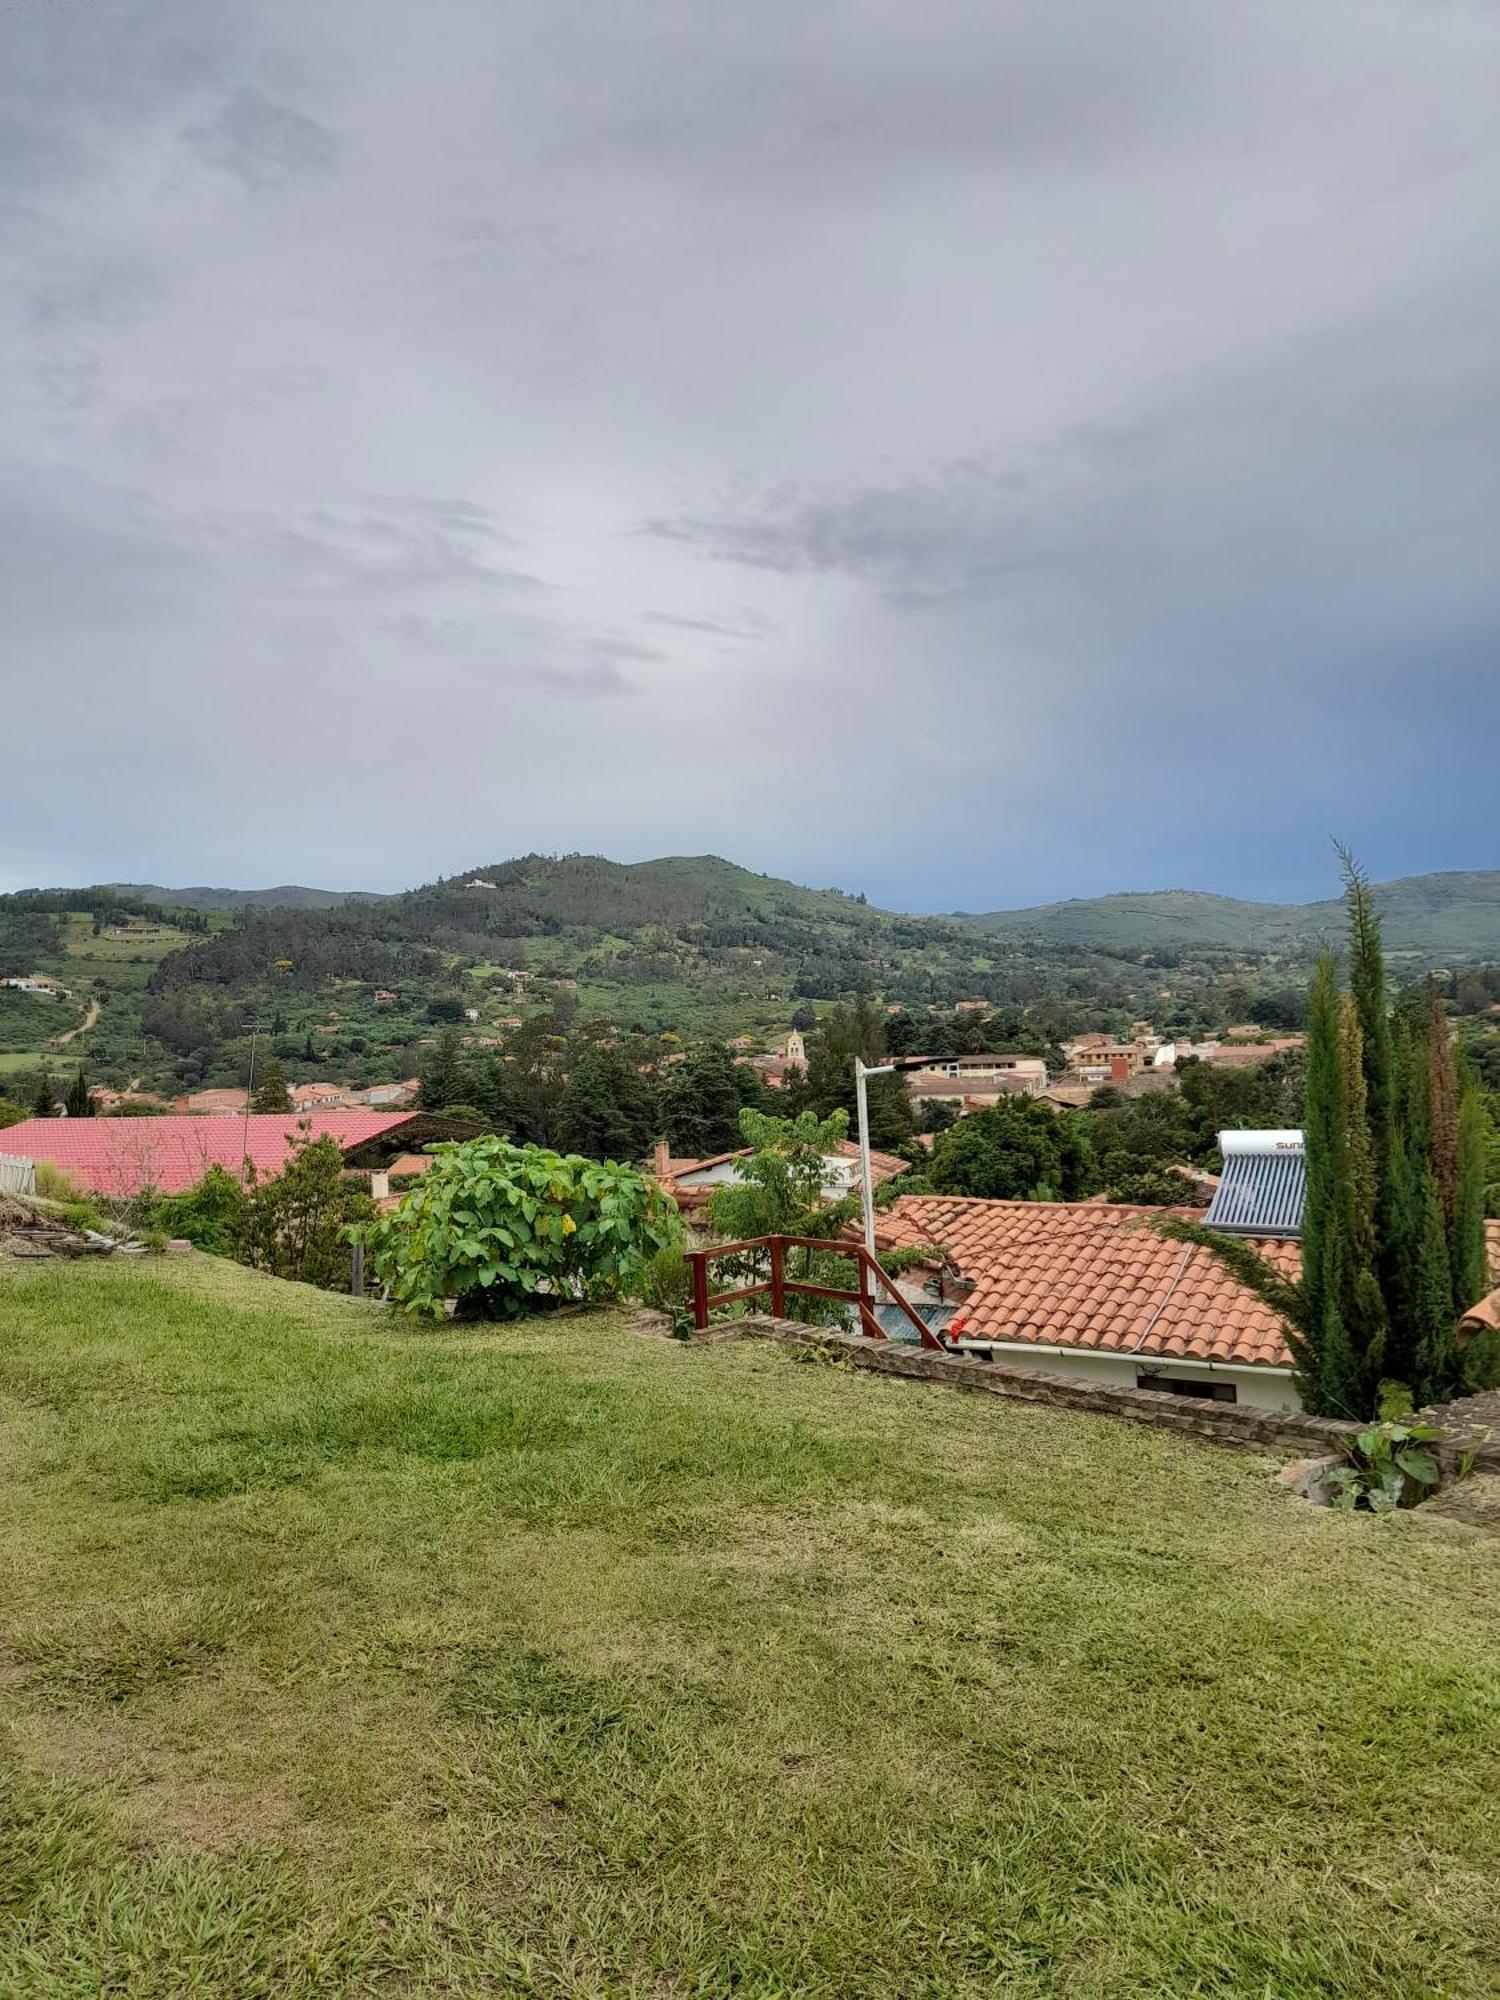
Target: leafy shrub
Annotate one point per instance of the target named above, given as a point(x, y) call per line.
point(1389, 1467)
point(54, 1184)
point(214, 1215)
point(504, 1230)
point(666, 1280)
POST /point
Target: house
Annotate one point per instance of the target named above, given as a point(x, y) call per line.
point(318, 1096)
point(1092, 1290)
point(1250, 1055)
point(971, 1006)
point(37, 983)
point(984, 1078)
point(212, 1103)
point(118, 1157)
point(384, 1096)
point(691, 1182)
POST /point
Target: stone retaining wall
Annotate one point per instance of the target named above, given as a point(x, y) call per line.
point(1284, 1433)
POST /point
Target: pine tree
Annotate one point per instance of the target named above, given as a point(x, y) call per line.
point(44, 1100)
point(78, 1101)
point(272, 1092)
point(442, 1081)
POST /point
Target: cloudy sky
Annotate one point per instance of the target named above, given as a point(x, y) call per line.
point(972, 452)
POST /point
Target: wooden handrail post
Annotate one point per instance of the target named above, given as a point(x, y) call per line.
point(867, 1320)
point(699, 1261)
point(778, 1277)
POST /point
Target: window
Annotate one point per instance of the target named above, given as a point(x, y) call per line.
point(1204, 1387)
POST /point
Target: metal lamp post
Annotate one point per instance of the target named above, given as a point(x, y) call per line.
point(861, 1099)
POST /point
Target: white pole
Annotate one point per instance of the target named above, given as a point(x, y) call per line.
point(862, 1102)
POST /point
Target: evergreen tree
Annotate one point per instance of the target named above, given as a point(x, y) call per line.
point(701, 1101)
point(272, 1092)
point(608, 1109)
point(1471, 1273)
point(1435, 1370)
point(78, 1100)
point(442, 1080)
point(846, 1032)
point(1323, 1223)
point(1393, 1222)
point(44, 1099)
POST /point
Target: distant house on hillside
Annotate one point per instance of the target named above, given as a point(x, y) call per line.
point(964, 1081)
point(690, 1182)
point(211, 1103)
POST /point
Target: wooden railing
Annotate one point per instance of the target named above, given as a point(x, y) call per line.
point(777, 1286)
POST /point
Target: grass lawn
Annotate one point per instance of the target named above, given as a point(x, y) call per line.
point(341, 1659)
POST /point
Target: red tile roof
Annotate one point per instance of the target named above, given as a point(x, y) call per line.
point(1096, 1275)
point(1093, 1275)
point(120, 1156)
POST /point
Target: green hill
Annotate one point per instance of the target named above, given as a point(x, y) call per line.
point(288, 897)
point(1442, 918)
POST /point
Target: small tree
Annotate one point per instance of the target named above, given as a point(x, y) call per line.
point(297, 1223)
point(44, 1099)
point(1018, 1150)
point(781, 1190)
point(11, 1113)
point(78, 1101)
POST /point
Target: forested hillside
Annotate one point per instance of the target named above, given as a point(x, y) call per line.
point(353, 990)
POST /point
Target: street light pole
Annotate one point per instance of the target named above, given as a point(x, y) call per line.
point(862, 1101)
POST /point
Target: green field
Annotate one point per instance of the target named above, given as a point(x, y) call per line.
point(340, 1659)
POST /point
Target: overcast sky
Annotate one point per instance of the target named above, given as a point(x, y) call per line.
point(972, 452)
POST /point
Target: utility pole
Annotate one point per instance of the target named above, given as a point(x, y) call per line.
point(249, 1100)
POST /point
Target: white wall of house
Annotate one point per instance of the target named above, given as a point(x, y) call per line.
point(1257, 1388)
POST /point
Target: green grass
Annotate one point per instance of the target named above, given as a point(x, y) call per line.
point(340, 1659)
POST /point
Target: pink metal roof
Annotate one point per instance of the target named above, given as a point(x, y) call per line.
point(120, 1156)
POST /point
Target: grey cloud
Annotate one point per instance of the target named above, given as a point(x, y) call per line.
point(749, 625)
point(528, 656)
point(1114, 385)
point(382, 546)
point(265, 145)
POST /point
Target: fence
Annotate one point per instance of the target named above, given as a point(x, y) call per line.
point(777, 1286)
point(17, 1175)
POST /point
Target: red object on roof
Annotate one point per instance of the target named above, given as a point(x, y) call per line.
point(120, 1156)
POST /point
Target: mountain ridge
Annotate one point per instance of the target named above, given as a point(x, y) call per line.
point(1445, 912)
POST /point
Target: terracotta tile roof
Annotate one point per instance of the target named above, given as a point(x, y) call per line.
point(409, 1163)
point(1096, 1275)
point(120, 1156)
point(1093, 1275)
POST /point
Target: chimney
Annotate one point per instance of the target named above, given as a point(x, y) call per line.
point(660, 1160)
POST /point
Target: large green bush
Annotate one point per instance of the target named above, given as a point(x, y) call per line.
point(505, 1230)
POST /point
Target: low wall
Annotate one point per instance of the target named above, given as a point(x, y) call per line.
point(1283, 1433)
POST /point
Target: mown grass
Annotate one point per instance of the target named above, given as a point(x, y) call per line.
point(341, 1659)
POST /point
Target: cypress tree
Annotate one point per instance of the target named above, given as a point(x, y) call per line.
point(1442, 1107)
point(44, 1099)
point(78, 1101)
point(1435, 1370)
point(1363, 1306)
point(1324, 1127)
point(1471, 1273)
